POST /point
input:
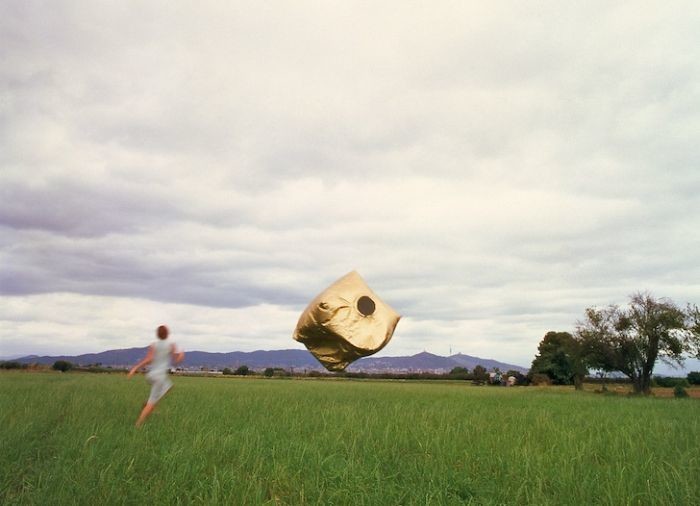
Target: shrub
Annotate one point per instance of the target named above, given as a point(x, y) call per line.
point(461, 373)
point(669, 382)
point(62, 365)
point(12, 365)
point(679, 392)
point(227, 371)
point(269, 372)
point(242, 371)
point(540, 379)
point(480, 374)
point(694, 378)
point(520, 378)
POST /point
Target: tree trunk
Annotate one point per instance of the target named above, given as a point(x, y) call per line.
point(646, 383)
point(642, 384)
point(578, 382)
point(637, 384)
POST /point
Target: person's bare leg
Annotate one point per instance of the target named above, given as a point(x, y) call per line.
point(145, 412)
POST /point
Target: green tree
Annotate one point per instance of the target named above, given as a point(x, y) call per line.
point(669, 382)
point(480, 373)
point(12, 365)
point(694, 378)
point(679, 392)
point(242, 371)
point(62, 365)
point(631, 339)
point(561, 358)
point(269, 372)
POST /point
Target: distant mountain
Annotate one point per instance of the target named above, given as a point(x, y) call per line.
point(130, 356)
point(425, 361)
point(111, 357)
point(287, 359)
point(254, 359)
point(421, 361)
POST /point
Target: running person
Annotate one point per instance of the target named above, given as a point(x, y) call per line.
point(161, 354)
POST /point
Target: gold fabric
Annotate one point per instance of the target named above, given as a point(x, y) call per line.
point(345, 322)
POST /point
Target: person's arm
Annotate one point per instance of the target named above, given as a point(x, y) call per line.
point(147, 360)
point(178, 355)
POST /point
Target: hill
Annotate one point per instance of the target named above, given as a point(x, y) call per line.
point(425, 361)
point(287, 359)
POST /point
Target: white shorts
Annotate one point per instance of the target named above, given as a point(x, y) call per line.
point(160, 384)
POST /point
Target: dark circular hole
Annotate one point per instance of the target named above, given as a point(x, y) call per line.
point(365, 305)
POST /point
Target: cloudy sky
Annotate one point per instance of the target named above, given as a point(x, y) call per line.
point(490, 168)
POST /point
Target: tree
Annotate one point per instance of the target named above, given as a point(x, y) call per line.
point(669, 382)
point(242, 371)
point(679, 392)
point(12, 365)
point(631, 339)
point(561, 358)
point(694, 378)
point(269, 372)
point(62, 365)
point(459, 372)
point(479, 373)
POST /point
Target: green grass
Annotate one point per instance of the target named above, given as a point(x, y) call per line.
point(69, 439)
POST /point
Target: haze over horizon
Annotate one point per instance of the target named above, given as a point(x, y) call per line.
point(490, 170)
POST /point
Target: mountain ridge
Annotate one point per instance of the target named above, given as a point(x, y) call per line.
point(286, 358)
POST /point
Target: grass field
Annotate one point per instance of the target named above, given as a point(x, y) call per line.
point(69, 439)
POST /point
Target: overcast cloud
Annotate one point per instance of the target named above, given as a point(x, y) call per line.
point(490, 170)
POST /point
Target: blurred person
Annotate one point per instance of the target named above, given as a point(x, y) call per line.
point(162, 354)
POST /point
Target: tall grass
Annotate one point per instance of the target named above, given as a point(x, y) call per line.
point(69, 438)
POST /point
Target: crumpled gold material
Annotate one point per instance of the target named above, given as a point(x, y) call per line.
point(345, 322)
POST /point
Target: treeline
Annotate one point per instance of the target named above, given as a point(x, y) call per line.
point(459, 374)
point(478, 376)
point(11, 364)
point(59, 365)
point(627, 340)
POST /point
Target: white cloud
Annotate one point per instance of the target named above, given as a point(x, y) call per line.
point(72, 323)
point(491, 170)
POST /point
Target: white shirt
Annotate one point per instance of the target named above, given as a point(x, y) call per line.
point(162, 352)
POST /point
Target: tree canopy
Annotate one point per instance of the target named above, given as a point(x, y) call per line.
point(242, 371)
point(480, 373)
point(62, 365)
point(560, 358)
point(632, 338)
